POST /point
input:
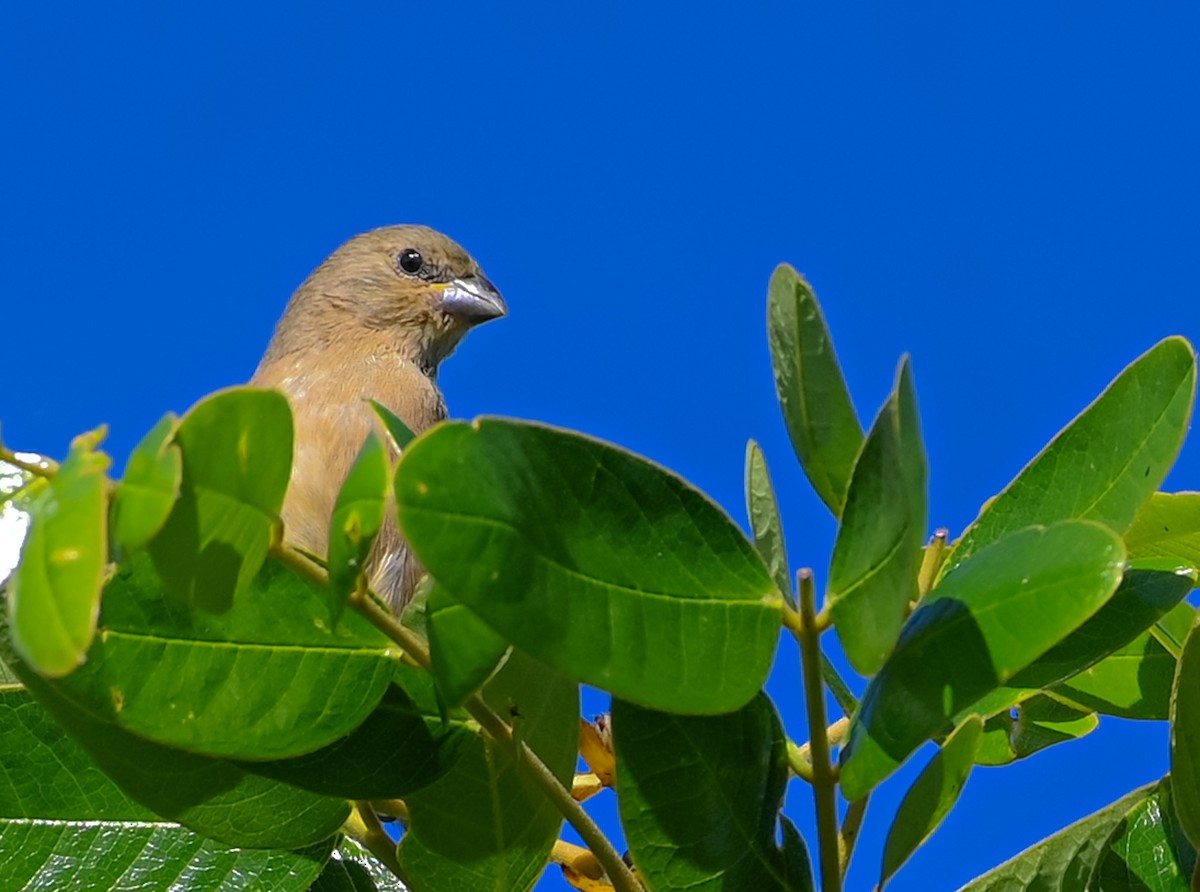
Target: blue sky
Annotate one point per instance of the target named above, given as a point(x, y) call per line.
point(1007, 193)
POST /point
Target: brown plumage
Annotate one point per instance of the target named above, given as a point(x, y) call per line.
point(371, 322)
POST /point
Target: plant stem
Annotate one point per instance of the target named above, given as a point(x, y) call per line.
point(46, 467)
point(363, 825)
point(824, 781)
point(798, 761)
point(610, 859)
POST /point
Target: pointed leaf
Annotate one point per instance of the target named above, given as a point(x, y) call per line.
point(1145, 851)
point(990, 618)
point(485, 825)
point(593, 560)
point(237, 457)
point(1185, 737)
point(399, 432)
point(256, 682)
point(812, 393)
point(54, 593)
point(463, 648)
point(1107, 462)
point(149, 487)
point(1064, 861)
point(931, 797)
point(763, 510)
point(357, 518)
point(873, 574)
point(700, 797)
point(351, 868)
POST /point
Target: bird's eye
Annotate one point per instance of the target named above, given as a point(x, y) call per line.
point(410, 261)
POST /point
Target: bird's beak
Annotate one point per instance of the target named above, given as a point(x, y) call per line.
point(472, 300)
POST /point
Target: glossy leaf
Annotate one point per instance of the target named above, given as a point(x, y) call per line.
point(357, 518)
point(1040, 722)
point(1167, 526)
point(351, 868)
point(237, 457)
point(812, 392)
point(873, 574)
point(403, 746)
point(1145, 851)
point(990, 618)
point(593, 560)
point(464, 649)
point(1064, 861)
point(763, 510)
point(700, 797)
point(1107, 462)
point(148, 489)
point(931, 797)
point(256, 682)
point(399, 432)
point(211, 796)
point(1185, 737)
point(485, 825)
point(54, 593)
point(1134, 681)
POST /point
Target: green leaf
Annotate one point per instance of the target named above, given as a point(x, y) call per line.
point(1134, 681)
point(268, 679)
point(1145, 851)
point(1040, 722)
point(403, 746)
point(147, 492)
point(1064, 861)
point(351, 868)
point(463, 648)
point(994, 615)
point(1185, 737)
point(54, 593)
point(1105, 463)
point(357, 518)
point(700, 797)
point(1167, 526)
point(485, 825)
point(399, 432)
point(931, 797)
point(763, 510)
point(237, 457)
point(593, 560)
point(210, 796)
point(812, 393)
point(873, 574)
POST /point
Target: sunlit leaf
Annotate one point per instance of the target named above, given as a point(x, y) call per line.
point(1039, 722)
point(357, 518)
point(463, 648)
point(1167, 526)
point(763, 510)
point(144, 499)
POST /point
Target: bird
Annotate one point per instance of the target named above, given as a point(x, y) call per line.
point(373, 322)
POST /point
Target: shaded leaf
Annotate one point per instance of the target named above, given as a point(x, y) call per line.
point(873, 574)
point(700, 797)
point(1107, 462)
point(1145, 852)
point(237, 457)
point(1185, 737)
point(931, 797)
point(463, 648)
point(763, 511)
point(148, 489)
point(399, 432)
point(485, 825)
point(988, 619)
point(593, 560)
point(357, 518)
point(54, 593)
point(351, 868)
point(1039, 722)
point(812, 392)
point(1064, 861)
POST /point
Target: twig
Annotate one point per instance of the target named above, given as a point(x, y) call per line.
point(849, 835)
point(363, 825)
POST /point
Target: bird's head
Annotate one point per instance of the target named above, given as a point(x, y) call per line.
point(407, 282)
